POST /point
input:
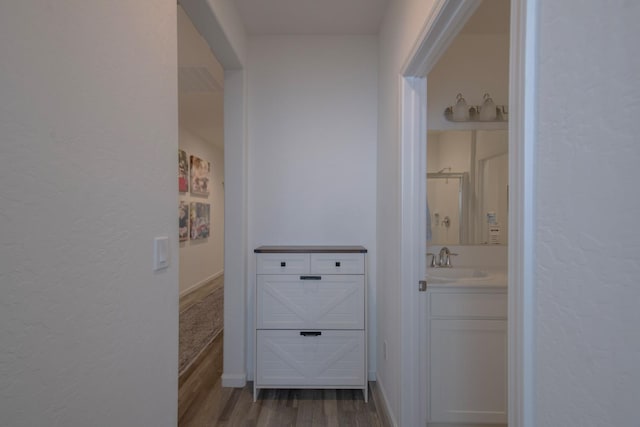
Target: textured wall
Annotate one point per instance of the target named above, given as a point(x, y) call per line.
point(88, 130)
point(588, 250)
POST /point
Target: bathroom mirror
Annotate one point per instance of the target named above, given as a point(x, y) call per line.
point(467, 187)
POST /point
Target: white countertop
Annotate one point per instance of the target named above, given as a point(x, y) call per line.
point(488, 277)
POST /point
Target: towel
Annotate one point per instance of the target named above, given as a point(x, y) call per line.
point(428, 223)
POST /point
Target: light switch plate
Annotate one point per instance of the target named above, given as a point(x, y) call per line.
point(161, 252)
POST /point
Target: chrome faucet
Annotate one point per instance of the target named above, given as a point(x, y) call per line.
point(442, 259)
point(433, 259)
point(445, 257)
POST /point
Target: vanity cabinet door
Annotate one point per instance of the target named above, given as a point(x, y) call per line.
point(468, 371)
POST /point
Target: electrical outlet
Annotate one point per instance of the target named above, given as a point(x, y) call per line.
point(384, 350)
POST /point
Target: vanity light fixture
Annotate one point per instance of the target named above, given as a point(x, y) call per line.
point(488, 112)
point(460, 112)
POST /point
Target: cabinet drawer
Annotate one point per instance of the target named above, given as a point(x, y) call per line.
point(325, 302)
point(296, 358)
point(468, 304)
point(283, 263)
point(337, 263)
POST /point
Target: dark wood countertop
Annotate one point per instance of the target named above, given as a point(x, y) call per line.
point(310, 249)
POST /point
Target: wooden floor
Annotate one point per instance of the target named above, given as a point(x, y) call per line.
point(200, 377)
point(220, 406)
point(202, 401)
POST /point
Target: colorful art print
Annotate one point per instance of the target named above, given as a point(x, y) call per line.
point(183, 221)
point(200, 176)
point(200, 220)
point(183, 172)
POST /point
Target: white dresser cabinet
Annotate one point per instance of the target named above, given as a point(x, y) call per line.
point(310, 312)
point(467, 355)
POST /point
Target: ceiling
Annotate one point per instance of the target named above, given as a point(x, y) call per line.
point(200, 85)
point(491, 17)
point(201, 77)
point(263, 17)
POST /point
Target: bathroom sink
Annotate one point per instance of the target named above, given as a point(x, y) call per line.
point(454, 274)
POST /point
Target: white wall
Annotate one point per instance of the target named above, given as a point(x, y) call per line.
point(312, 146)
point(219, 23)
point(454, 151)
point(88, 178)
point(401, 25)
point(235, 230)
point(473, 65)
point(587, 208)
point(201, 260)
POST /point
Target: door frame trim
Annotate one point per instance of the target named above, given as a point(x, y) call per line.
point(444, 23)
point(413, 245)
point(522, 167)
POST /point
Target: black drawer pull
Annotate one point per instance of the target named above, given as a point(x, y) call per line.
point(310, 277)
point(310, 333)
point(283, 264)
point(337, 263)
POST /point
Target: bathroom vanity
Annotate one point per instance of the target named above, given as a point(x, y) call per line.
point(467, 349)
point(310, 317)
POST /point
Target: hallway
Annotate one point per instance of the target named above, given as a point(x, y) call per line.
point(316, 152)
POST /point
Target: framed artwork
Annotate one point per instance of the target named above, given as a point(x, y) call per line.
point(200, 220)
point(200, 176)
point(183, 221)
point(183, 172)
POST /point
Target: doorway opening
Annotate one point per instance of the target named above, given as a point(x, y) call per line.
point(418, 109)
point(467, 224)
point(200, 214)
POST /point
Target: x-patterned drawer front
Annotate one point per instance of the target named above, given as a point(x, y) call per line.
point(307, 358)
point(283, 263)
point(320, 302)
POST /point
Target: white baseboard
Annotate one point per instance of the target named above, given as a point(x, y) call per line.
point(385, 401)
point(464, 425)
point(234, 380)
point(202, 283)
